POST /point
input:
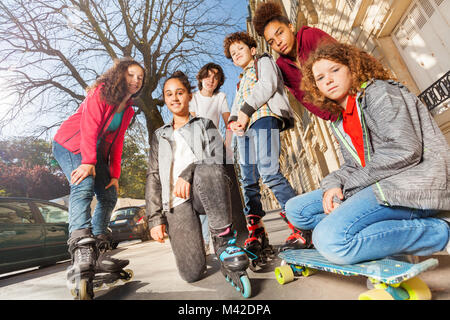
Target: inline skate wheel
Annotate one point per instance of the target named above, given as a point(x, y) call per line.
point(129, 275)
point(83, 290)
point(246, 287)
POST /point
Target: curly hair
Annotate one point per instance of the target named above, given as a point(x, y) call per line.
point(236, 37)
point(115, 86)
point(363, 67)
point(180, 75)
point(267, 12)
point(204, 71)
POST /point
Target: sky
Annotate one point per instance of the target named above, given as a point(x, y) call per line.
point(240, 12)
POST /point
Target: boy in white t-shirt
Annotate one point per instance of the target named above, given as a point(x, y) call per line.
point(208, 102)
point(211, 104)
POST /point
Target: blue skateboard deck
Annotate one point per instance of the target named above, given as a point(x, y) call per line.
point(387, 272)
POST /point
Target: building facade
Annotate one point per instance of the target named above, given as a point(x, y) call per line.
point(410, 37)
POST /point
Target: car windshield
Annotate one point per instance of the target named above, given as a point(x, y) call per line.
point(123, 214)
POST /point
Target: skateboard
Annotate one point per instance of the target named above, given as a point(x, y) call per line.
point(390, 279)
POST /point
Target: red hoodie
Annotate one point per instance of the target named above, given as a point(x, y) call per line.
point(81, 131)
point(307, 41)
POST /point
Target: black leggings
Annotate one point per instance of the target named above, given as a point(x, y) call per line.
point(210, 194)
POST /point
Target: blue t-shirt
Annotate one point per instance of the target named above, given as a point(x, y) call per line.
point(116, 121)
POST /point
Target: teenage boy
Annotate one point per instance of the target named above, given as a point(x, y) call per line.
point(209, 103)
point(260, 111)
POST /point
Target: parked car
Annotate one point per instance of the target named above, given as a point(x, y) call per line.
point(129, 223)
point(33, 233)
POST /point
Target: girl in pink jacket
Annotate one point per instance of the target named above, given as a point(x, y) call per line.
point(88, 147)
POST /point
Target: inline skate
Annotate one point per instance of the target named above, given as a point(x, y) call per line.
point(233, 261)
point(80, 273)
point(108, 270)
point(298, 239)
point(257, 243)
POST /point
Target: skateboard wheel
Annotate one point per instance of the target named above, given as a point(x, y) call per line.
point(246, 287)
point(284, 274)
point(308, 272)
point(375, 294)
point(417, 289)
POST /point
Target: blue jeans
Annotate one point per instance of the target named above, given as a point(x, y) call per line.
point(259, 152)
point(205, 227)
point(361, 229)
point(81, 195)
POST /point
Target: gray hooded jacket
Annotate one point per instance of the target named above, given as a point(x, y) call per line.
point(407, 156)
point(269, 89)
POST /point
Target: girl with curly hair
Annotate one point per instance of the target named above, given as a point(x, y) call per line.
point(88, 147)
point(294, 47)
point(395, 178)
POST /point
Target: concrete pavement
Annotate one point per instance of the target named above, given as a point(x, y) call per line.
point(156, 278)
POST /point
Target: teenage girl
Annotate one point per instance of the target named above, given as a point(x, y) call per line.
point(395, 178)
point(185, 178)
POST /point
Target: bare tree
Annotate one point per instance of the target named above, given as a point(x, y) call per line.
point(51, 50)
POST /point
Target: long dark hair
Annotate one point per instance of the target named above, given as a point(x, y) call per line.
point(183, 79)
point(115, 86)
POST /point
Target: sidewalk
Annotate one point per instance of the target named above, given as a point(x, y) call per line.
point(156, 278)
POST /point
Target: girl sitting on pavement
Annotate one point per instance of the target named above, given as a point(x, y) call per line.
point(395, 178)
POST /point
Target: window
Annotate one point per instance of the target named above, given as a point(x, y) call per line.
point(123, 214)
point(52, 214)
point(15, 212)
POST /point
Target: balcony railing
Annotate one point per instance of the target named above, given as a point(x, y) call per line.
point(437, 93)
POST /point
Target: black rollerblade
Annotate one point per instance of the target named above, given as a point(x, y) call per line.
point(80, 273)
point(233, 261)
point(108, 270)
point(298, 239)
point(257, 243)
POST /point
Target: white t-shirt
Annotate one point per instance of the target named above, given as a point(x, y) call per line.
point(209, 107)
point(182, 157)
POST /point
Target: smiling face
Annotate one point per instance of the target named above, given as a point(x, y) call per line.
point(134, 77)
point(177, 97)
point(280, 37)
point(241, 54)
point(333, 79)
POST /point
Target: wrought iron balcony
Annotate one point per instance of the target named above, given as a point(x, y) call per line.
point(437, 93)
